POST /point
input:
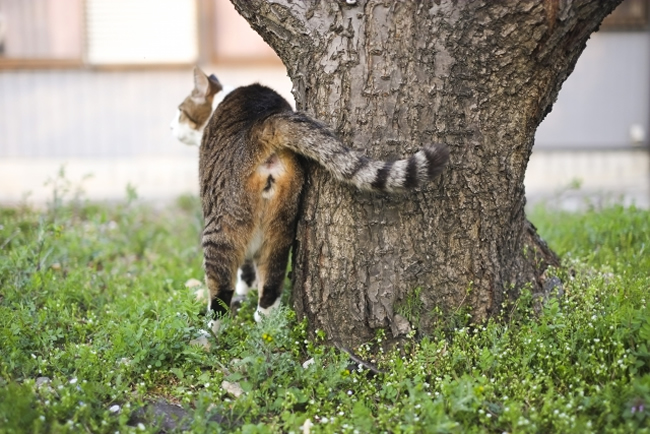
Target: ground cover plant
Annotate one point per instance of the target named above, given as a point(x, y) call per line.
point(96, 325)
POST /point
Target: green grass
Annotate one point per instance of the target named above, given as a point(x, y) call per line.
point(614, 237)
point(93, 297)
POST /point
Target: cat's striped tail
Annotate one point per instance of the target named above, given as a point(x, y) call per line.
point(306, 136)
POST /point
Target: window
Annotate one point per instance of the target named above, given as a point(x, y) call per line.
point(141, 32)
point(629, 15)
point(48, 33)
point(73, 33)
point(228, 38)
point(33, 31)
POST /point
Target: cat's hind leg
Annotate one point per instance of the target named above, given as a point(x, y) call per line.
point(272, 270)
point(281, 195)
point(272, 266)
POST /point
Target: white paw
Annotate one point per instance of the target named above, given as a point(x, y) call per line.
point(262, 312)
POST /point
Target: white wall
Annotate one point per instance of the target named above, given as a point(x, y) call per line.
point(605, 96)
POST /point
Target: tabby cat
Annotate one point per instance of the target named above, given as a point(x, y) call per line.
point(251, 179)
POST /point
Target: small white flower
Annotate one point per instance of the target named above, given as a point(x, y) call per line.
point(73, 381)
point(141, 426)
point(114, 408)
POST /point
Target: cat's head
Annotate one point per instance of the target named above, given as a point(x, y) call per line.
point(195, 110)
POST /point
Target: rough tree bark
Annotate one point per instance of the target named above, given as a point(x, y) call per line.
point(388, 76)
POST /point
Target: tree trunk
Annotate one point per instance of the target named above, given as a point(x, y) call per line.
point(388, 77)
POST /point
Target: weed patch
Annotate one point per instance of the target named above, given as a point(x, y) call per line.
point(96, 325)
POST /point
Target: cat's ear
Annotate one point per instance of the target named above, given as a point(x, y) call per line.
point(204, 86)
point(215, 85)
point(201, 84)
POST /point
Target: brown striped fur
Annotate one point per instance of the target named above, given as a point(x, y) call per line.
point(251, 180)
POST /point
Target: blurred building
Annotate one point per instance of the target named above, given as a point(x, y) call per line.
point(594, 143)
point(91, 86)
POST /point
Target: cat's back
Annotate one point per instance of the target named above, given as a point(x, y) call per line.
point(244, 107)
point(230, 152)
